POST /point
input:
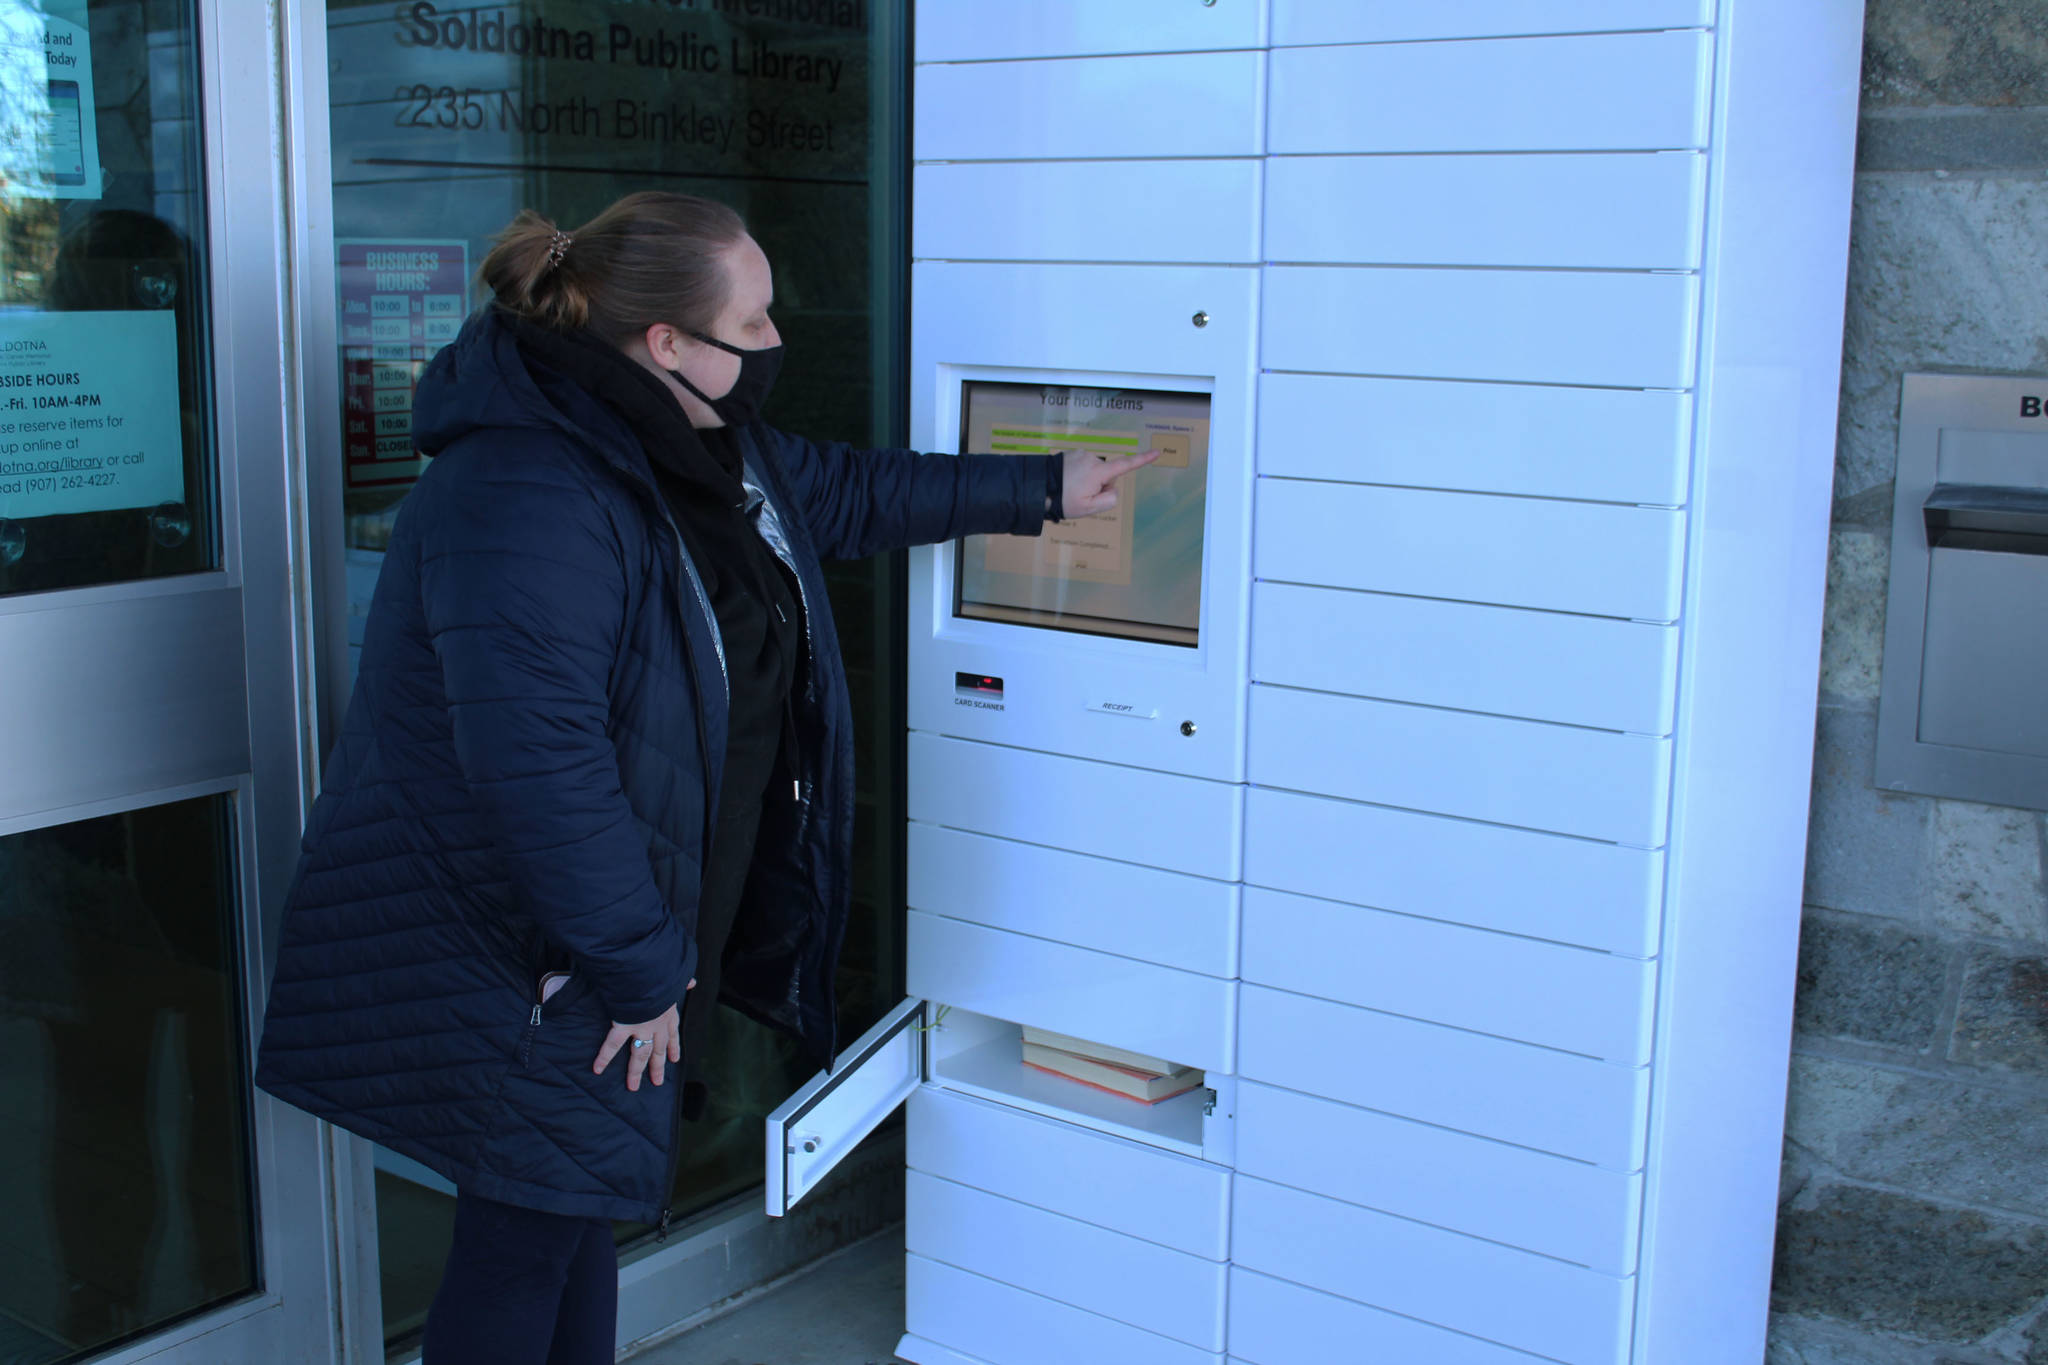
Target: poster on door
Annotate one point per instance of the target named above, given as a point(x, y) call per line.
point(49, 136)
point(89, 415)
point(401, 301)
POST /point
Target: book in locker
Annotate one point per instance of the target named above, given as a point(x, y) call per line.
point(1147, 1087)
point(1101, 1052)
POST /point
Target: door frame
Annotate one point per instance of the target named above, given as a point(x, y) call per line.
point(244, 74)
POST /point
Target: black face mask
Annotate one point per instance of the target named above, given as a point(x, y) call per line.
point(742, 402)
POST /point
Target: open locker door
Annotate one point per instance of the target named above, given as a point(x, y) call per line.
point(830, 1113)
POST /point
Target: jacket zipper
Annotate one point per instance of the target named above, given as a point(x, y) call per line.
point(800, 793)
point(703, 601)
point(675, 1131)
point(778, 546)
point(675, 1154)
point(526, 1041)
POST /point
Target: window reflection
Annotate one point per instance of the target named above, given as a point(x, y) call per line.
point(448, 118)
point(124, 1160)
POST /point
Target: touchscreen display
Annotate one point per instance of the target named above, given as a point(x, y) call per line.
point(1134, 571)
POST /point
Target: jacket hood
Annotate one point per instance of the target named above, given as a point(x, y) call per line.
point(480, 382)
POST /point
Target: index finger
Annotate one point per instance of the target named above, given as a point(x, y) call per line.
point(1124, 464)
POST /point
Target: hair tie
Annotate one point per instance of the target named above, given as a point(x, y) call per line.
point(558, 247)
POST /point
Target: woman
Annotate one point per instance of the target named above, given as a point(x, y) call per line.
point(599, 753)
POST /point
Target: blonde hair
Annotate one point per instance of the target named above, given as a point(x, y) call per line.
point(650, 258)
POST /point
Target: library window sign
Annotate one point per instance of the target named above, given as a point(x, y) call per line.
point(89, 415)
point(401, 302)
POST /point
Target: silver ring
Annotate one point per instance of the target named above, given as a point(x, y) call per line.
point(639, 1042)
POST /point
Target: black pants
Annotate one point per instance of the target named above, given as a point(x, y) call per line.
point(524, 1288)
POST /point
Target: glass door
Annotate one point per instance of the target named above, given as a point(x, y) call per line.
point(151, 779)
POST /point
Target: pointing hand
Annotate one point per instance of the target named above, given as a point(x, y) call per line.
point(1089, 481)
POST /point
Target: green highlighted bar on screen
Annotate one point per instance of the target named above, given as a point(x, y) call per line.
point(1072, 438)
point(1012, 448)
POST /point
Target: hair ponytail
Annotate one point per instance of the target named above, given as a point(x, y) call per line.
point(650, 258)
point(527, 277)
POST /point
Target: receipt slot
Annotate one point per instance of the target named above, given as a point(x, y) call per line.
point(1966, 633)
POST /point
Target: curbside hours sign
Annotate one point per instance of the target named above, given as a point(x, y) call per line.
point(89, 418)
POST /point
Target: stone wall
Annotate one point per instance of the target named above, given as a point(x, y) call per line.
point(1914, 1222)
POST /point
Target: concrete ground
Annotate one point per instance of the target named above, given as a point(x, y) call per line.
point(848, 1310)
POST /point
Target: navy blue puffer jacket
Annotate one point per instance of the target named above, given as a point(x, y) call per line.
point(525, 781)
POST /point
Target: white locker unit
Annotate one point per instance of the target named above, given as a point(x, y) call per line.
point(1461, 850)
point(1507, 1132)
point(1077, 846)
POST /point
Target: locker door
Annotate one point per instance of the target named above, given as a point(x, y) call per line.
point(812, 1130)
